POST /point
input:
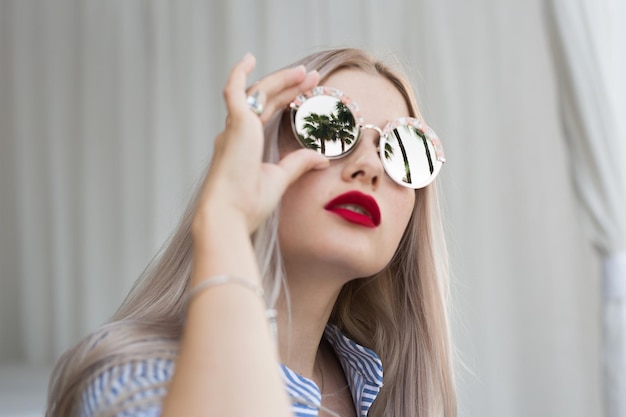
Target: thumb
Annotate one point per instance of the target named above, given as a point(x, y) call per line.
point(301, 161)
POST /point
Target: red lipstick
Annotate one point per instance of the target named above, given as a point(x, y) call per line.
point(356, 207)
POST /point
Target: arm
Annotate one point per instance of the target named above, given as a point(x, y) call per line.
point(227, 364)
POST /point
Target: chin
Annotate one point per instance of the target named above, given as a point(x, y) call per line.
point(347, 262)
point(333, 248)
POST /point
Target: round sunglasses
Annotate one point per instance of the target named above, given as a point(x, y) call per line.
point(329, 122)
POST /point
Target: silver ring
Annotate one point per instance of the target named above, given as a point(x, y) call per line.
point(254, 103)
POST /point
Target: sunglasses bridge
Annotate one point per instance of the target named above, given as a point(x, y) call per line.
point(373, 127)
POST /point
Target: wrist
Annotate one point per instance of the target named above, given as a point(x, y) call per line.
point(222, 245)
point(211, 224)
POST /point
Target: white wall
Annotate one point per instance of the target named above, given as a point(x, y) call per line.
point(107, 113)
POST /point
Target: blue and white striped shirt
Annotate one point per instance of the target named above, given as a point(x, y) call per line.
point(146, 380)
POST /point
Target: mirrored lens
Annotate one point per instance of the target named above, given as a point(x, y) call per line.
point(323, 123)
point(409, 157)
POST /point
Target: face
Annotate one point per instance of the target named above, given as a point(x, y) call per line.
point(328, 218)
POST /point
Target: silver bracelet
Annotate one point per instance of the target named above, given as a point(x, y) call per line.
point(270, 313)
point(224, 279)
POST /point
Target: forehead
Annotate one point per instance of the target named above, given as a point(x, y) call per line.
point(378, 99)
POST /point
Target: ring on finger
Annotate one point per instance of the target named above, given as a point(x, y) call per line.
point(255, 103)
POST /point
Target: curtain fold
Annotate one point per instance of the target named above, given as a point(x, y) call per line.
point(588, 39)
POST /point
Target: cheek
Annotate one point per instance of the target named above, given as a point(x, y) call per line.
point(401, 214)
point(410, 206)
point(404, 201)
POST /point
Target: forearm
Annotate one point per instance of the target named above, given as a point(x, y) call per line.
point(228, 364)
point(227, 361)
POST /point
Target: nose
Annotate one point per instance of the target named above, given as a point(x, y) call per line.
point(363, 164)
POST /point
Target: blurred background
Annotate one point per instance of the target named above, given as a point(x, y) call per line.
point(108, 110)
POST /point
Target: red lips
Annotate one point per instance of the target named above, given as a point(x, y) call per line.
point(356, 207)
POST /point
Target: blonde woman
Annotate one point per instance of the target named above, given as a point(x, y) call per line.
point(308, 275)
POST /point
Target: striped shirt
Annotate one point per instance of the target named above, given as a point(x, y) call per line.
point(145, 381)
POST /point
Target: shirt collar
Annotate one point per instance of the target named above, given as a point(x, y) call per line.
point(362, 367)
point(354, 358)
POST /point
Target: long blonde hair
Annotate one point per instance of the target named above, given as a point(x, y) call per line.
point(400, 313)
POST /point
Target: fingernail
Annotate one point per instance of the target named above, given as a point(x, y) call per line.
point(312, 73)
point(248, 56)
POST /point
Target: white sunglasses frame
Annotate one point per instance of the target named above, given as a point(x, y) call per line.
point(384, 133)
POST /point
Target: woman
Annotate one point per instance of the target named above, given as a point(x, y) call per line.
point(348, 249)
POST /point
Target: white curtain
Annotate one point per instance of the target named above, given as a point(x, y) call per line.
point(590, 47)
point(107, 114)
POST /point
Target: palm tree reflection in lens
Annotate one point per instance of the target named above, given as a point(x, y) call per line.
point(337, 125)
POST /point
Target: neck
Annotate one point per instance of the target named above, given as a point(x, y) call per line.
point(301, 323)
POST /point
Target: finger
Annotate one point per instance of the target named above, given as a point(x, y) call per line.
point(279, 80)
point(301, 161)
point(276, 84)
point(283, 98)
point(234, 90)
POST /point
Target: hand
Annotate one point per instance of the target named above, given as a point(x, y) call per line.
point(238, 183)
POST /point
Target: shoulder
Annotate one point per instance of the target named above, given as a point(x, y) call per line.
point(134, 388)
